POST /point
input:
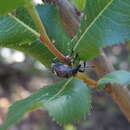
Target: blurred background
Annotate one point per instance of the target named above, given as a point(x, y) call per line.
point(21, 75)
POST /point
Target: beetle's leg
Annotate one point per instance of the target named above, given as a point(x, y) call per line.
point(76, 59)
point(76, 69)
point(83, 67)
point(84, 63)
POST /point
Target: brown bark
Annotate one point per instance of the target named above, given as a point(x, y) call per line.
point(71, 22)
point(120, 94)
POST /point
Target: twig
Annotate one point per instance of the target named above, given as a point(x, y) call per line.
point(86, 79)
point(43, 35)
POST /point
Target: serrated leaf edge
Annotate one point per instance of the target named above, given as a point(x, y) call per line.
point(109, 80)
point(64, 86)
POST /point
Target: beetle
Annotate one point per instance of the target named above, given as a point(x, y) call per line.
point(63, 70)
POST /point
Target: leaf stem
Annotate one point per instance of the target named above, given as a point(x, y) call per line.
point(43, 35)
point(86, 79)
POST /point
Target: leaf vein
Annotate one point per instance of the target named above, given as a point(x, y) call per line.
point(92, 23)
point(61, 90)
point(25, 25)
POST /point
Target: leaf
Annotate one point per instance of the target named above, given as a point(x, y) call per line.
point(13, 31)
point(23, 15)
point(71, 103)
point(35, 49)
point(107, 24)
point(16, 34)
point(9, 5)
point(79, 4)
point(51, 19)
point(67, 101)
point(20, 33)
point(116, 77)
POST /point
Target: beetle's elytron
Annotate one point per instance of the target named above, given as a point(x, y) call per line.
point(64, 70)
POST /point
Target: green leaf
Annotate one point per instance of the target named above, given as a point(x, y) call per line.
point(71, 103)
point(9, 5)
point(51, 19)
point(35, 49)
point(107, 24)
point(13, 31)
point(67, 101)
point(79, 4)
point(16, 34)
point(20, 33)
point(23, 15)
point(117, 77)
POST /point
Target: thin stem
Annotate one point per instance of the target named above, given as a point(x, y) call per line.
point(43, 35)
point(86, 79)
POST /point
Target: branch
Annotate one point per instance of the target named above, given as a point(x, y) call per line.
point(43, 35)
point(120, 94)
